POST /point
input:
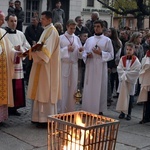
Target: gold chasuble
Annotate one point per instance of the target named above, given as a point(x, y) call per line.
point(3, 75)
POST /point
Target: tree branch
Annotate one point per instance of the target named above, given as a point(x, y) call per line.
point(143, 8)
point(122, 11)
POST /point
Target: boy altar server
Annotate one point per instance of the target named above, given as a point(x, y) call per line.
point(128, 71)
point(70, 49)
point(144, 95)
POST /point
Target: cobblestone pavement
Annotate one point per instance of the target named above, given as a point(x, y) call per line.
point(18, 133)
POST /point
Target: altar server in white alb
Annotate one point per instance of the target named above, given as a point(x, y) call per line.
point(71, 49)
point(17, 38)
point(144, 95)
point(98, 50)
point(128, 71)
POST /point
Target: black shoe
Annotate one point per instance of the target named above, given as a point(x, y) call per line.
point(41, 125)
point(144, 121)
point(34, 122)
point(128, 117)
point(14, 113)
point(122, 115)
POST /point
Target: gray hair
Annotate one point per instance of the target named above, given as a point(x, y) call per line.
point(96, 14)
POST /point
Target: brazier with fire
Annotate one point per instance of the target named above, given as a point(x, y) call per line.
point(81, 130)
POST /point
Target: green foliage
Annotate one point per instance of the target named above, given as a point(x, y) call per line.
point(124, 5)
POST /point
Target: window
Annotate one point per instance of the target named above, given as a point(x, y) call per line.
point(31, 7)
point(90, 3)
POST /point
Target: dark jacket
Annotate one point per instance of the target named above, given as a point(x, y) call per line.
point(20, 18)
point(82, 30)
point(146, 47)
point(33, 33)
point(11, 10)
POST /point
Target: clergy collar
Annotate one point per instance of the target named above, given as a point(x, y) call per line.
point(10, 31)
point(98, 34)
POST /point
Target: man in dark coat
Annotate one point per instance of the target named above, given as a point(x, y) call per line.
point(32, 33)
point(20, 14)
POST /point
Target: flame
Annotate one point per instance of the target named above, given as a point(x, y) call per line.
point(76, 143)
point(79, 121)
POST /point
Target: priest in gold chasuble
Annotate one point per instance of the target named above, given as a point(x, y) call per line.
point(44, 81)
point(6, 72)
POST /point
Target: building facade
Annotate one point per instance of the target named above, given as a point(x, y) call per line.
point(75, 8)
point(72, 8)
point(93, 5)
point(130, 21)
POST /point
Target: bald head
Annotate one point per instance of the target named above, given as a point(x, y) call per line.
point(2, 18)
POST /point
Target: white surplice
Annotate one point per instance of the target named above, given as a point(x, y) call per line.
point(16, 39)
point(95, 84)
point(144, 79)
point(69, 71)
point(128, 72)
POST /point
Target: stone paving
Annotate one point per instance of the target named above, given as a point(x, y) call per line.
point(18, 133)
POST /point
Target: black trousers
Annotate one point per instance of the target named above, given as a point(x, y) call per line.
point(131, 100)
point(146, 109)
point(114, 81)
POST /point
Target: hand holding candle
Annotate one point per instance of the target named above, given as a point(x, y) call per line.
point(97, 50)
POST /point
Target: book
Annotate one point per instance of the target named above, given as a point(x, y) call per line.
point(36, 47)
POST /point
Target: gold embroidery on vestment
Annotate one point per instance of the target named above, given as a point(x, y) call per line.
point(3, 76)
point(46, 52)
point(35, 82)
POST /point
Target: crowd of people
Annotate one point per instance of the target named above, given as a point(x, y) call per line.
point(93, 58)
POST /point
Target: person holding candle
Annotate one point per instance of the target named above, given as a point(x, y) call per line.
point(98, 50)
point(71, 50)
